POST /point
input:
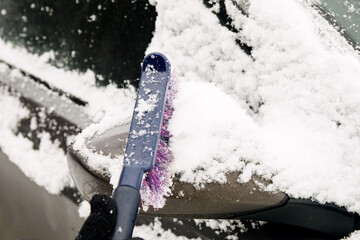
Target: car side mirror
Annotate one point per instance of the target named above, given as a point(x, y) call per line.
point(213, 201)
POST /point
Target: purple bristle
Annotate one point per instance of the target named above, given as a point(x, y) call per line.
point(156, 183)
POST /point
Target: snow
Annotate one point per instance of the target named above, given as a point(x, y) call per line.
point(353, 236)
point(101, 101)
point(289, 113)
point(105, 164)
point(220, 144)
point(228, 229)
point(303, 130)
point(222, 225)
point(155, 231)
point(84, 209)
point(47, 166)
point(145, 106)
point(197, 45)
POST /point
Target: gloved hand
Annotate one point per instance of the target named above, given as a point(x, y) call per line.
point(101, 222)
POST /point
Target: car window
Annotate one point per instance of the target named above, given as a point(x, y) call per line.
point(108, 37)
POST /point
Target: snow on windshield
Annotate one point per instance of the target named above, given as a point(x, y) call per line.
point(47, 167)
point(303, 131)
point(102, 101)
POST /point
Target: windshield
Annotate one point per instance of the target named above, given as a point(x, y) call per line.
point(107, 37)
point(110, 37)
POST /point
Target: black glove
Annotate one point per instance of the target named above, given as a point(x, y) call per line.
point(101, 222)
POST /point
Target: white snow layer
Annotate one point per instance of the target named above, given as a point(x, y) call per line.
point(304, 136)
point(155, 231)
point(105, 164)
point(353, 236)
point(46, 166)
point(84, 209)
point(102, 101)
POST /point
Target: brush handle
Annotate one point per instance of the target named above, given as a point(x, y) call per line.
point(142, 144)
point(127, 200)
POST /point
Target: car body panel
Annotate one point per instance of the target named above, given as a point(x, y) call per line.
point(214, 200)
point(28, 211)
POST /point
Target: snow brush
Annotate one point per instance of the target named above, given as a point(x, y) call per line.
point(147, 149)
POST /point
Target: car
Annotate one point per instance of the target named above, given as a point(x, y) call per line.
point(65, 66)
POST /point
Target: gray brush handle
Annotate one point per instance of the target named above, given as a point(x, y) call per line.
point(127, 200)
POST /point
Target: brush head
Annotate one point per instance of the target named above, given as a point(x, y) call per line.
point(145, 129)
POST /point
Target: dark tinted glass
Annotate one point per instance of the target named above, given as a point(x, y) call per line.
point(108, 37)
